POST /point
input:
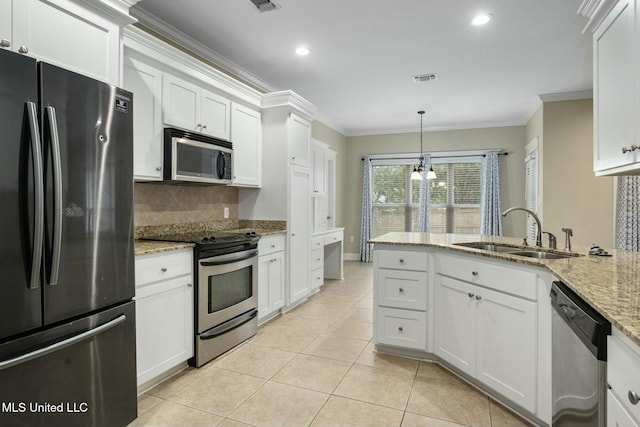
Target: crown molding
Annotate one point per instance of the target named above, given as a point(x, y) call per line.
point(596, 11)
point(116, 10)
point(291, 100)
point(186, 42)
point(566, 96)
point(443, 128)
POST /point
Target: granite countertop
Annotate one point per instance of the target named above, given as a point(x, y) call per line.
point(610, 284)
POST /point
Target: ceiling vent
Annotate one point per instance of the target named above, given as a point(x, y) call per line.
point(265, 5)
point(418, 78)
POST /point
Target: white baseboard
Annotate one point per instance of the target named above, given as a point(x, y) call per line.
point(351, 256)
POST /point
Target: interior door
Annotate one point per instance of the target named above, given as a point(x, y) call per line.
point(19, 295)
point(89, 197)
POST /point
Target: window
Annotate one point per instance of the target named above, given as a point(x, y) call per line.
point(454, 205)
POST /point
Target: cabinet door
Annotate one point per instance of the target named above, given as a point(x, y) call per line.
point(299, 140)
point(319, 166)
point(455, 338)
point(276, 281)
point(215, 115)
point(64, 33)
point(146, 84)
point(613, 85)
point(507, 336)
point(164, 326)
point(264, 263)
point(617, 415)
point(181, 103)
point(246, 136)
point(6, 20)
point(299, 233)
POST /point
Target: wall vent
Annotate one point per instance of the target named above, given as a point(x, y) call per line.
point(265, 5)
point(424, 77)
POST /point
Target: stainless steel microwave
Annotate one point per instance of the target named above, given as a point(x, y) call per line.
point(194, 157)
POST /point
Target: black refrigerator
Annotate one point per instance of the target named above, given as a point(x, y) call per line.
point(67, 319)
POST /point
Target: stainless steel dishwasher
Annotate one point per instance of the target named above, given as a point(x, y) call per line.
point(579, 360)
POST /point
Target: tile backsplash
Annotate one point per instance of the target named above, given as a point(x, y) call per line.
point(161, 204)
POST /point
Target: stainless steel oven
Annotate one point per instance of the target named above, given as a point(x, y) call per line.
point(226, 302)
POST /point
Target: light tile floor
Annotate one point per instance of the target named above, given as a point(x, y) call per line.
point(316, 366)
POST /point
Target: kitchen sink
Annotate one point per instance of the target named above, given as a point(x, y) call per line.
point(492, 247)
point(517, 250)
point(543, 255)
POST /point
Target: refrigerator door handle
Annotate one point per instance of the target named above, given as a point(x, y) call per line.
point(38, 184)
point(57, 200)
point(62, 344)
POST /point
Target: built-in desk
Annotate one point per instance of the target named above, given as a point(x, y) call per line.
point(326, 256)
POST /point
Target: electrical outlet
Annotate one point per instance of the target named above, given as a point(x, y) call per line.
point(226, 212)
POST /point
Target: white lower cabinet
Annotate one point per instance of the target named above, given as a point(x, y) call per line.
point(489, 335)
point(271, 274)
point(164, 312)
point(623, 377)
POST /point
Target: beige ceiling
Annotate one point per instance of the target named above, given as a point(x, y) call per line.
point(363, 54)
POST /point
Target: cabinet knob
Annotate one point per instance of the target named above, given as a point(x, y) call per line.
point(474, 273)
point(159, 168)
point(633, 397)
point(633, 147)
point(23, 49)
point(190, 284)
point(400, 329)
point(401, 260)
point(163, 269)
point(5, 43)
point(471, 295)
point(318, 259)
point(478, 297)
point(204, 126)
point(401, 290)
point(293, 157)
point(273, 246)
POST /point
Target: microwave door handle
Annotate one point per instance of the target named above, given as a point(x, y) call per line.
point(38, 184)
point(222, 165)
point(57, 192)
point(229, 260)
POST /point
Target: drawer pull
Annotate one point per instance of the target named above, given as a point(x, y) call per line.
point(318, 259)
point(471, 295)
point(401, 290)
point(163, 269)
point(190, 285)
point(474, 273)
point(401, 260)
point(478, 297)
point(633, 397)
point(400, 329)
point(273, 246)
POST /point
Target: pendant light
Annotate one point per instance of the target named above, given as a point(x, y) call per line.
point(418, 170)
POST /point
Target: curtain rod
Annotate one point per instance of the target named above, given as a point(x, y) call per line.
point(434, 157)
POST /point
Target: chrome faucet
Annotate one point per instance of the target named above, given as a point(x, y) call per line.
point(567, 238)
point(535, 217)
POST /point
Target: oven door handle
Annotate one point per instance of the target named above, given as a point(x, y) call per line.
point(229, 260)
point(227, 326)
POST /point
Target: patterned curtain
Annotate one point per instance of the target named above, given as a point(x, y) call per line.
point(366, 249)
point(425, 195)
point(490, 219)
point(628, 213)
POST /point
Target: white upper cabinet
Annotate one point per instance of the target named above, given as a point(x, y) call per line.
point(188, 106)
point(616, 105)
point(145, 82)
point(246, 136)
point(65, 33)
point(319, 164)
point(299, 140)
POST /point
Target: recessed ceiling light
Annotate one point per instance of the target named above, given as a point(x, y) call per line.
point(481, 19)
point(302, 51)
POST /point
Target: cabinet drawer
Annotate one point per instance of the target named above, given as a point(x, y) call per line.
point(317, 278)
point(402, 260)
point(501, 278)
point(317, 258)
point(317, 243)
point(623, 373)
point(402, 328)
point(166, 265)
point(402, 289)
point(270, 244)
point(333, 238)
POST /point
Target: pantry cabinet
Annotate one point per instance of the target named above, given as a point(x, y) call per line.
point(145, 82)
point(188, 106)
point(246, 135)
point(164, 312)
point(299, 140)
point(319, 164)
point(299, 225)
point(82, 37)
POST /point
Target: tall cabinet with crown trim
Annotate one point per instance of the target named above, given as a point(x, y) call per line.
point(286, 189)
